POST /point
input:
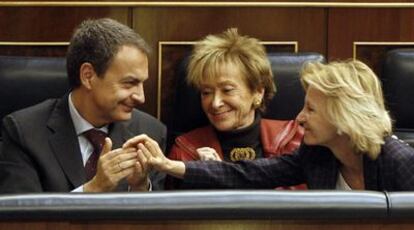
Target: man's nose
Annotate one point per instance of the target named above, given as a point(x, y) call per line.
point(138, 96)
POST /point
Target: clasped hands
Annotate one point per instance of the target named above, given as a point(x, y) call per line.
point(116, 164)
point(134, 160)
point(151, 156)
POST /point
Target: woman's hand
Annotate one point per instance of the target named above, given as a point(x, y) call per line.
point(150, 155)
point(208, 154)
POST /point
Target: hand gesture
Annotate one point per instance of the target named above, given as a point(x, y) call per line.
point(113, 166)
point(149, 152)
point(151, 156)
point(139, 180)
point(208, 154)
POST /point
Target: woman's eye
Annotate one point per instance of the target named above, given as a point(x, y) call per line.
point(228, 90)
point(205, 92)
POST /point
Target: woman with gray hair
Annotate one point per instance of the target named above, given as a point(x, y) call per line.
point(347, 143)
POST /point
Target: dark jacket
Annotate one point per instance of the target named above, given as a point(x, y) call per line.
point(316, 166)
point(41, 150)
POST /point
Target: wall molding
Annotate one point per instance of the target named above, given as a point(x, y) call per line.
point(377, 43)
point(28, 43)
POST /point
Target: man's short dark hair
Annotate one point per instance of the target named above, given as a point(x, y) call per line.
point(97, 42)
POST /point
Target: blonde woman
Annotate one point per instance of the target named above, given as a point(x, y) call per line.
point(347, 143)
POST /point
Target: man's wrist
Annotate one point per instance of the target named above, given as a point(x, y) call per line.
point(90, 186)
point(93, 186)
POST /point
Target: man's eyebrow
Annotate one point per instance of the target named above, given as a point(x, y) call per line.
point(133, 78)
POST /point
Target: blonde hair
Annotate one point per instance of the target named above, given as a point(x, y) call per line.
point(354, 104)
point(246, 53)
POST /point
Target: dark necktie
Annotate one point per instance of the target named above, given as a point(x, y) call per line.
point(97, 139)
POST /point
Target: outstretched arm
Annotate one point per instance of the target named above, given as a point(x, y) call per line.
point(264, 173)
point(150, 155)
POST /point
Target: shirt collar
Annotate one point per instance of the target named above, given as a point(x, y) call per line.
point(81, 125)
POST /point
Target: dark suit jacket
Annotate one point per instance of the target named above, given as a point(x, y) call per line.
point(316, 166)
point(41, 151)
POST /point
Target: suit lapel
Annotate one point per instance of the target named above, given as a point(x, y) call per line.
point(64, 143)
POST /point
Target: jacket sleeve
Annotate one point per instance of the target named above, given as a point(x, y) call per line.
point(18, 172)
point(398, 166)
point(179, 152)
point(263, 173)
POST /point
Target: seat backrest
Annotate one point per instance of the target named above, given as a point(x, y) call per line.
point(290, 95)
point(286, 104)
point(26, 81)
point(398, 85)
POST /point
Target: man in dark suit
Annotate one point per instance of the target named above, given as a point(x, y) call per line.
point(47, 146)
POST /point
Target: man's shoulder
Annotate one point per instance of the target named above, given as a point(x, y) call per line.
point(145, 121)
point(35, 112)
point(140, 116)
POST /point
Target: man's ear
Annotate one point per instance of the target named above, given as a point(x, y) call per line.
point(87, 74)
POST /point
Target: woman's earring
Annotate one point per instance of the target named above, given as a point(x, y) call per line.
point(339, 132)
point(257, 102)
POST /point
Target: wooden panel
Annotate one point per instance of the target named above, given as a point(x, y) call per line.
point(330, 31)
point(213, 224)
point(374, 54)
point(111, 3)
point(305, 25)
point(46, 24)
point(376, 25)
point(49, 23)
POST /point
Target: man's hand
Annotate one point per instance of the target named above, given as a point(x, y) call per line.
point(149, 152)
point(150, 155)
point(139, 180)
point(113, 166)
